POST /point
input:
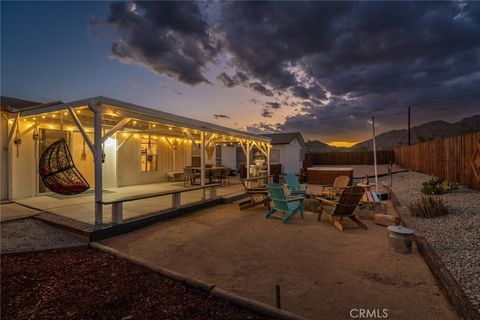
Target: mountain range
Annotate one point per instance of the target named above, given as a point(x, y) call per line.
point(395, 138)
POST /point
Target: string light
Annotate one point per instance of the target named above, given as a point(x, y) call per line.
point(169, 128)
point(153, 125)
point(43, 116)
point(134, 122)
point(78, 111)
point(54, 115)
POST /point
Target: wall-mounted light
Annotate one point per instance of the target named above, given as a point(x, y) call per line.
point(134, 122)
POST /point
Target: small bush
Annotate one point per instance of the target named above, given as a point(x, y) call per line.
point(436, 186)
point(428, 207)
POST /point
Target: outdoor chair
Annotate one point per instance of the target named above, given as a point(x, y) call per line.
point(189, 176)
point(288, 207)
point(258, 195)
point(226, 175)
point(331, 191)
point(294, 187)
point(217, 175)
point(343, 208)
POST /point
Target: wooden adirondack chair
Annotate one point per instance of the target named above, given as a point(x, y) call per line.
point(258, 194)
point(343, 208)
point(286, 206)
point(339, 185)
point(293, 184)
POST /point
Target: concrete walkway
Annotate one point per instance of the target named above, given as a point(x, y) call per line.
point(81, 207)
point(13, 211)
point(323, 273)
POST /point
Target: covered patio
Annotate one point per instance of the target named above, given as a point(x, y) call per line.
point(124, 150)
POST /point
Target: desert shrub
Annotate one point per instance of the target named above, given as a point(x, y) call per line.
point(428, 207)
point(436, 186)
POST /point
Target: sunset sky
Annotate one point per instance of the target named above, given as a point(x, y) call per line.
point(320, 68)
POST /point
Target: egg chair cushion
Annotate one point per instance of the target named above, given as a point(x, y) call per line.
point(58, 172)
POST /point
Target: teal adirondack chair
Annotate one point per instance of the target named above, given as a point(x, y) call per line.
point(282, 204)
point(294, 186)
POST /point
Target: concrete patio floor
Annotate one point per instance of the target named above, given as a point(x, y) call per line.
point(323, 273)
point(81, 207)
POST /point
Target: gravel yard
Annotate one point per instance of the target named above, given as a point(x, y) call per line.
point(84, 283)
point(31, 234)
point(455, 237)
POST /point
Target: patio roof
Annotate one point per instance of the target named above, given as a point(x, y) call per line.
point(120, 108)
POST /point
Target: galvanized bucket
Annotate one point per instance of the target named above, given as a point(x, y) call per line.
point(400, 239)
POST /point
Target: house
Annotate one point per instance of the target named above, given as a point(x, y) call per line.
point(112, 144)
point(288, 149)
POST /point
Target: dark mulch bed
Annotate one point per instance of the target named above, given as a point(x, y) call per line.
point(85, 283)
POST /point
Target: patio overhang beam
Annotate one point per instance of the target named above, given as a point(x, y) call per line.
point(189, 134)
point(81, 129)
point(117, 127)
point(125, 140)
point(11, 134)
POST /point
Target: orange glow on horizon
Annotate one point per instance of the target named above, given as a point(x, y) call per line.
point(346, 144)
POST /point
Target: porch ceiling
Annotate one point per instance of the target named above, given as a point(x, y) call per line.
point(143, 120)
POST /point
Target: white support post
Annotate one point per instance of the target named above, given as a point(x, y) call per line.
point(248, 159)
point(117, 127)
point(82, 130)
point(176, 200)
point(213, 193)
point(117, 213)
point(202, 158)
point(97, 156)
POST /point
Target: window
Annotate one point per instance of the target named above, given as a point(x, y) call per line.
point(275, 155)
point(148, 156)
point(218, 155)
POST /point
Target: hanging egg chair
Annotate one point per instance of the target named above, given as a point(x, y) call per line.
point(58, 172)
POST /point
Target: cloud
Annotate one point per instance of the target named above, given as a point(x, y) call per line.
point(266, 113)
point(229, 81)
point(331, 60)
point(260, 88)
point(168, 38)
point(221, 116)
point(274, 105)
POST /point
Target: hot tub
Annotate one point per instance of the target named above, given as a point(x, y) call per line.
point(326, 175)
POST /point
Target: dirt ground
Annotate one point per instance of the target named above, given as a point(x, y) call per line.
point(323, 273)
point(85, 283)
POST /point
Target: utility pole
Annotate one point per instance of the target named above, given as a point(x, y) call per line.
point(374, 154)
point(408, 125)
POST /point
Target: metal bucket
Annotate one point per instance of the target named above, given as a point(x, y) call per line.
point(400, 239)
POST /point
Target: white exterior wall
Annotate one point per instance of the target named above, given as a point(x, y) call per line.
point(229, 157)
point(3, 158)
point(128, 162)
point(289, 156)
point(22, 177)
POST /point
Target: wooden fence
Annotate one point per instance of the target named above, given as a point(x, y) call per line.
point(350, 158)
point(456, 158)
